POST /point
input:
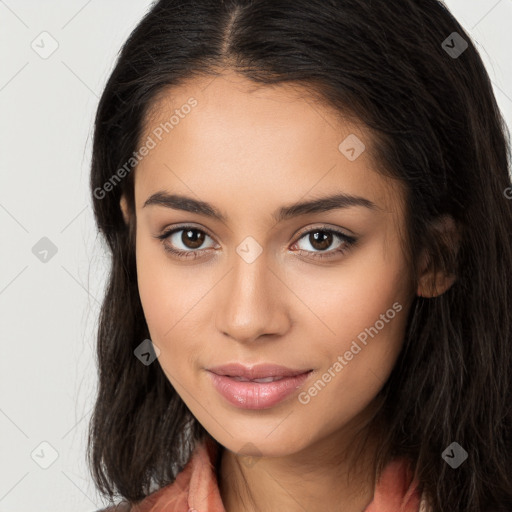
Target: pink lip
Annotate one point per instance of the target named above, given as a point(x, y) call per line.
point(257, 371)
point(256, 395)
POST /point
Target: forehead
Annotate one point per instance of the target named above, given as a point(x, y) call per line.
point(216, 136)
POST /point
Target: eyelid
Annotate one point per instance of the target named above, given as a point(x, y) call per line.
point(348, 240)
point(179, 227)
point(342, 231)
point(325, 227)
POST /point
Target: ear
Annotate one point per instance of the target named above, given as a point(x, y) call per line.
point(123, 203)
point(431, 283)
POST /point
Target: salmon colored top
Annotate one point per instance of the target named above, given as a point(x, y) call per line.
point(196, 488)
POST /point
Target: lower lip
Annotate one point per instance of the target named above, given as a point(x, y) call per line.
point(256, 395)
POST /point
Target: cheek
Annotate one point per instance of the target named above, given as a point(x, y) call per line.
point(351, 297)
point(155, 293)
point(171, 299)
point(162, 295)
point(363, 307)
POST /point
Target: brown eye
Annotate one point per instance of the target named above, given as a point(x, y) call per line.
point(184, 241)
point(320, 240)
point(192, 238)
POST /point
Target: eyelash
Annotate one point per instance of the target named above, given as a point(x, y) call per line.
point(349, 241)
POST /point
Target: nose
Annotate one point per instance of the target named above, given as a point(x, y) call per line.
point(253, 301)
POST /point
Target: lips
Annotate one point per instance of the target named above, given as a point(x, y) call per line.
point(262, 380)
point(257, 387)
point(257, 372)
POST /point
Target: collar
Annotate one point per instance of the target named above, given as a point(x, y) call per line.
point(196, 487)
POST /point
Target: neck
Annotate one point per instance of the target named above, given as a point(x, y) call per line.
point(335, 473)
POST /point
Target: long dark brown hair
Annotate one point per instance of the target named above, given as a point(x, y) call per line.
point(398, 68)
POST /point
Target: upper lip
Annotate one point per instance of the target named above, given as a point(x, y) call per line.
point(259, 371)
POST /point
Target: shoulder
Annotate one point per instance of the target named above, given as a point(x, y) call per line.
point(174, 494)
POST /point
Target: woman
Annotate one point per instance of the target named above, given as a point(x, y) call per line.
point(309, 304)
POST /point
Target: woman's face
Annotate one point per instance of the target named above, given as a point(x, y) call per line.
point(256, 287)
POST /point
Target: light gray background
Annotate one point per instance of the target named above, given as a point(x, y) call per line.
point(49, 310)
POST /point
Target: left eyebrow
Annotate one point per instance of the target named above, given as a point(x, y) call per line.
point(322, 204)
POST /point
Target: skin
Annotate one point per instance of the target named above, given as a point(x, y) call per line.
point(249, 151)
